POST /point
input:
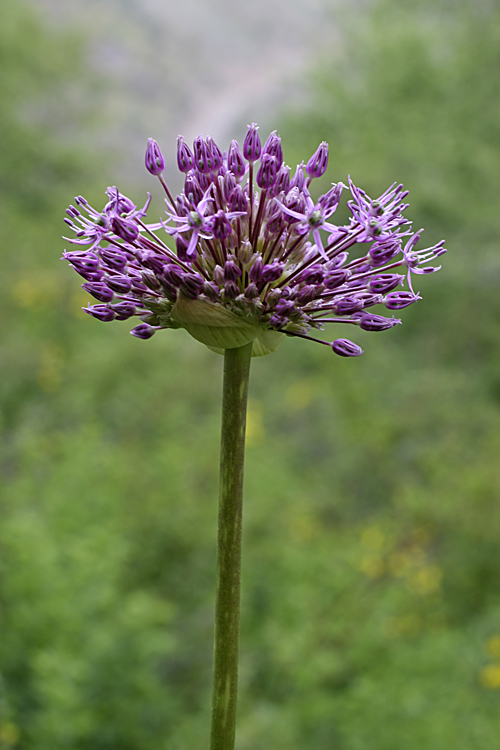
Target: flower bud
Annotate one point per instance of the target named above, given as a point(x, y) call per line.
point(155, 163)
point(215, 153)
point(192, 285)
point(203, 160)
point(266, 175)
point(220, 226)
point(235, 160)
point(255, 272)
point(273, 147)
point(114, 258)
point(181, 245)
point(123, 310)
point(99, 290)
point(313, 275)
point(346, 348)
point(384, 282)
point(143, 331)
point(127, 230)
point(251, 145)
point(398, 300)
point(317, 164)
point(231, 290)
point(119, 283)
point(173, 274)
point(238, 200)
point(192, 188)
point(211, 290)
point(370, 322)
point(184, 156)
point(231, 271)
point(101, 312)
point(272, 272)
point(348, 305)
point(298, 180)
point(335, 279)
point(307, 294)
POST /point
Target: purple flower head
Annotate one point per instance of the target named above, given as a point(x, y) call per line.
point(251, 145)
point(243, 257)
point(155, 163)
point(317, 164)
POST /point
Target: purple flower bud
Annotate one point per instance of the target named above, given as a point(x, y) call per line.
point(123, 310)
point(282, 184)
point(251, 292)
point(181, 245)
point(273, 147)
point(313, 275)
point(203, 160)
point(255, 272)
point(278, 321)
point(119, 283)
point(370, 322)
point(169, 290)
point(83, 264)
point(152, 261)
point(338, 261)
point(119, 204)
point(284, 306)
point(348, 305)
point(238, 200)
point(346, 348)
point(155, 163)
point(231, 290)
point(298, 180)
point(127, 230)
point(99, 290)
point(294, 200)
point(384, 282)
point(272, 272)
point(192, 285)
point(211, 290)
point(114, 258)
point(150, 280)
point(330, 200)
point(383, 251)
point(336, 278)
point(266, 175)
point(215, 153)
point(138, 286)
point(228, 185)
point(307, 294)
point(143, 331)
point(231, 271)
point(101, 312)
point(192, 188)
point(220, 226)
point(235, 160)
point(398, 300)
point(251, 145)
point(184, 156)
point(317, 164)
point(173, 274)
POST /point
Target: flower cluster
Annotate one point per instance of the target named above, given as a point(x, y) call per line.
point(253, 257)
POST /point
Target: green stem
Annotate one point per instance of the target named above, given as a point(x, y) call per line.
point(227, 606)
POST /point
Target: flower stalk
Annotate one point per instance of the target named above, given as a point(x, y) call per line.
point(227, 606)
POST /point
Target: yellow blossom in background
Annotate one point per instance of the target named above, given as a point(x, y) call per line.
point(489, 676)
point(9, 734)
point(255, 431)
point(493, 646)
point(299, 395)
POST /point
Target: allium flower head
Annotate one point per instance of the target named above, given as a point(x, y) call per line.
point(240, 264)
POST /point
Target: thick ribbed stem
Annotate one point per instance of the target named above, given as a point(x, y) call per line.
point(227, 606)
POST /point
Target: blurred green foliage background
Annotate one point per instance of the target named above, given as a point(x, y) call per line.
point(371, 591)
